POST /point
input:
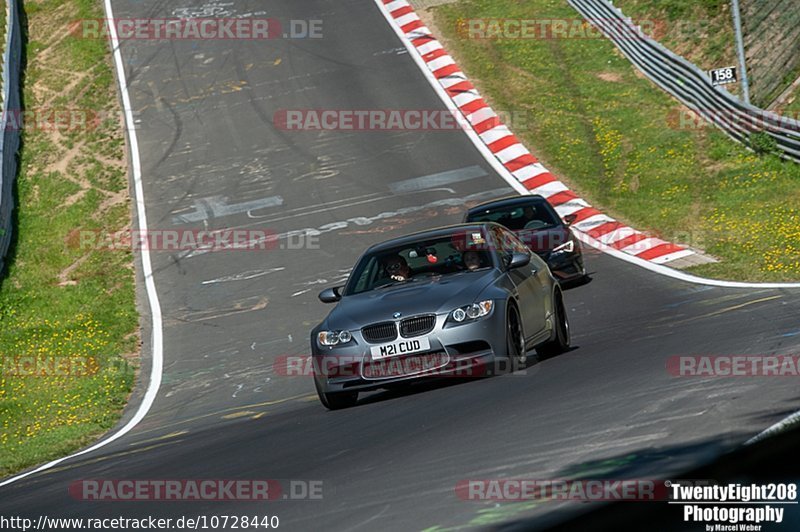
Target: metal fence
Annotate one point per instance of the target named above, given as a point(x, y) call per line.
point(772, 41)
point(9, 133)
point(689, 84)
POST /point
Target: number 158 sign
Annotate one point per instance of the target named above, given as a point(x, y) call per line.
point(722, 76)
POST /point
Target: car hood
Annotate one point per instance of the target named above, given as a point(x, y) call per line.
point(424, 296)
point(543, 241)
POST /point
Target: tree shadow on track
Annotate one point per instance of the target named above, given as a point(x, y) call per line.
point(532, 366)
point(720, 460)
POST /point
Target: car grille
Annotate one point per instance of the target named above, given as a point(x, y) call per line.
point(380, 332)
point(417, 326)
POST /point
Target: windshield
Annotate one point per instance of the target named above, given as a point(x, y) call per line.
point(419, 260)
point(535, 215)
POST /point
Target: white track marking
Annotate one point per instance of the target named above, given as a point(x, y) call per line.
point(437, 180)
point(777, 428)
point(147, 269)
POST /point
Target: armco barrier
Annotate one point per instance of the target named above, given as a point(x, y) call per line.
point(687, 83)
point(9, 137)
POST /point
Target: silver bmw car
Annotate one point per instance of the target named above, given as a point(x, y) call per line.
point(463, 300)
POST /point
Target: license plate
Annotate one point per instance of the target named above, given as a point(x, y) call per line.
point(401, 347)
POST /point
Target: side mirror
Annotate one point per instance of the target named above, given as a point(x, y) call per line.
point(570, 219)
point(330, 295)
point(518, 260)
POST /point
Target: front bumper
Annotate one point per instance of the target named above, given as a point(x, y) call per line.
point(462, 351)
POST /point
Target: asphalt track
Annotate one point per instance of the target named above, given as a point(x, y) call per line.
point(607, 408)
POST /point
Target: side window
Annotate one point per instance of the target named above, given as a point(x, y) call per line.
point(367, 276)
point(504, 246)
point(514, 244)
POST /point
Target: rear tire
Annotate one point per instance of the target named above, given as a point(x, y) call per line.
point(561, 339)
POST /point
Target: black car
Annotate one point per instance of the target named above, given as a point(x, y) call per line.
point(537, 224)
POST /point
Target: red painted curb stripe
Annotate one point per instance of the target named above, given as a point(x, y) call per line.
point(436, 54)
point(604, 229)
point(584, 213)
point(423, 40)
point(462, 86)
point(539, 180)
point(446, 71)
point(399, 12)
point(473, 106)
point(562, 197)
point(521, 162)
point(503, 143)
point(486, 125)
point(658, 251)
point(411, 26)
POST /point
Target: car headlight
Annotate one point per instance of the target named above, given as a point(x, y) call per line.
point(568, 247)
point(331, 338)
point(472, 312)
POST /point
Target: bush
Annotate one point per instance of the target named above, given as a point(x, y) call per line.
point(763, 143)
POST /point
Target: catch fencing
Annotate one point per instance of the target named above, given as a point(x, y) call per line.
point(9, 133)
point(688, 83)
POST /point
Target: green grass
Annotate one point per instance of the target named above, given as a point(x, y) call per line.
point(700, 31)
point(59, 302)
point(793, 109)
point(612, 136)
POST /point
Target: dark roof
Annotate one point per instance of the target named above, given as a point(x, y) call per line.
point(427, 234)
point(511, 201)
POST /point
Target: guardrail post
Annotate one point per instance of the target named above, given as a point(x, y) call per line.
point(737, 25)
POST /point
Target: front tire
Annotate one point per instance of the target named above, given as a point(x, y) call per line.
point(515, 340)
point(562, 337)
point(336, 401)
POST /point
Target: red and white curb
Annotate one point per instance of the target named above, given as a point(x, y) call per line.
point(513, 156)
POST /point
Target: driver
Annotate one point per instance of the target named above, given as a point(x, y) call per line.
point(471, 260)
point(397, 268)
point(529, 213)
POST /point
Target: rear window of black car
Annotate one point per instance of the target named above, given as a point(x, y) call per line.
point(534, 215)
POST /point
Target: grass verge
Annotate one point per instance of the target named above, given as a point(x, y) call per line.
point(620, 142)
point(700, 31)
point(68, 321)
